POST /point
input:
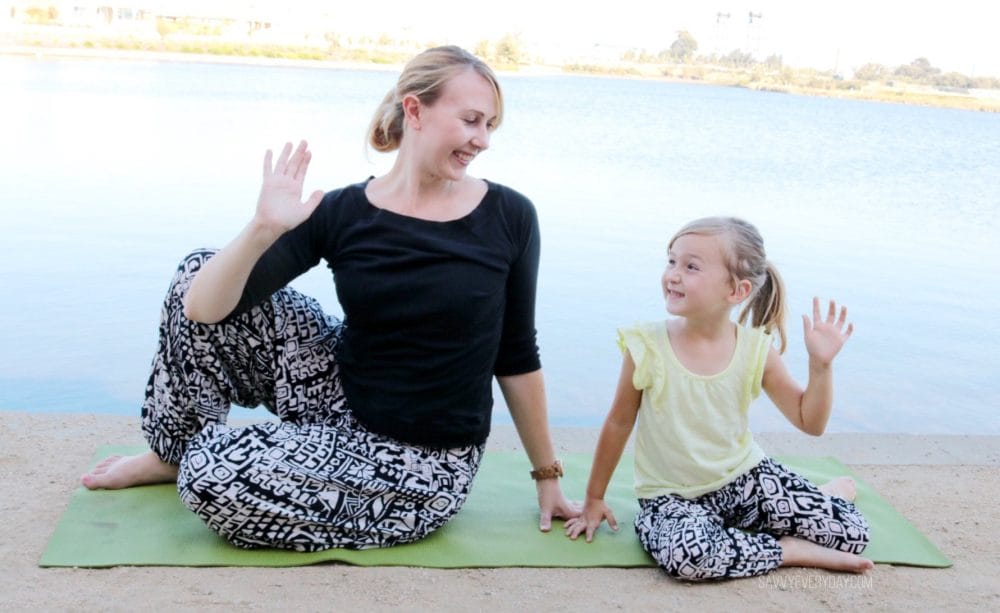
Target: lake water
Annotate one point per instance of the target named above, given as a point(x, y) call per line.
point(111, 171)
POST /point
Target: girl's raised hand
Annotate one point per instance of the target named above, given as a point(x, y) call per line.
point(825, 337)
point(280, 205)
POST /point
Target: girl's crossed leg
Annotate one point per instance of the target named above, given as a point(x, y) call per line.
point(766, 518)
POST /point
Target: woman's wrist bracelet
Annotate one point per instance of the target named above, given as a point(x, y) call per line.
point(552, 471)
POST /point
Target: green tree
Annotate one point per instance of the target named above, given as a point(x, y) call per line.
point(42, 14)
point(953, 79)
point(919, 70)
point(738, 59)
point(684, 47)
point(484, 50)
point(872, 72)
point(166, 27)
point(986, 83)
point(509, 49)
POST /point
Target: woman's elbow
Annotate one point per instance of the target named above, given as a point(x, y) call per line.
point(192, 312)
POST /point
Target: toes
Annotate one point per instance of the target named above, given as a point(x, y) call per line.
point(92, 481)
point(104, 465)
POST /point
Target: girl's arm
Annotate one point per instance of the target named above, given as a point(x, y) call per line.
point(525, 397)
point(614, 435)
point(216, 288)
point(809, 409)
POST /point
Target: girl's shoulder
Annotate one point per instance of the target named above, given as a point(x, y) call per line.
point(756, 344)
point(757, 339)
point(642, 338)
point(645, 343)
point(644, 329)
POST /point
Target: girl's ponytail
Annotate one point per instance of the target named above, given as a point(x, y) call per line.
point(767, 306)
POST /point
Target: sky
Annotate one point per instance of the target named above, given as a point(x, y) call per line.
point(959, 35)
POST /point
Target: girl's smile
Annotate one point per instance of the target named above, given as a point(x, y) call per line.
point(696, 278)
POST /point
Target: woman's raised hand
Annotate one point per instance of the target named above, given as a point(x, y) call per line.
point(824, 338)
point(280, 206)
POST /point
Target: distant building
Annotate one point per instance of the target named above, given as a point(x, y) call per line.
point(271, 22)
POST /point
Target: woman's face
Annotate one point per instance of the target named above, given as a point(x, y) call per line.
point(450, 133)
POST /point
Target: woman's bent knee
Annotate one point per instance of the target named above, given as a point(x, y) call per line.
point(193, 261)
point(186, 270)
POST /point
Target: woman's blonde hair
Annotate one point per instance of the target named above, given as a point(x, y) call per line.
point(425, 76)
point(746, 259)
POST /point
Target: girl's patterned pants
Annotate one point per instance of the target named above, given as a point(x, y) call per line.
point(734, 531)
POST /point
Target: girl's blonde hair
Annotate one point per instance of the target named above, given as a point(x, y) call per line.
point(425, 76)
point(746, 259)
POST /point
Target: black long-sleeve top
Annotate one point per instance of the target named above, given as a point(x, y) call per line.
point(433, 310)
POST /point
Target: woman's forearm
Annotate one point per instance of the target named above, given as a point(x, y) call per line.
point(216, 289)
point(525, 396)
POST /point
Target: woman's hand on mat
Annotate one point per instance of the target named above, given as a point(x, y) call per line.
point(594, 512)
point(280, 205)
point(553, 504)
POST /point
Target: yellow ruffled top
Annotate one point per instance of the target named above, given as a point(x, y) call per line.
point(692, 435)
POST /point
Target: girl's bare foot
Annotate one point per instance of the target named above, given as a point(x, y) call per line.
point(800, 552)
point(844, 487)
point(117, 472)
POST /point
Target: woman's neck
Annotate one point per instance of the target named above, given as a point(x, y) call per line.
point(405, 181)
point(407, 191)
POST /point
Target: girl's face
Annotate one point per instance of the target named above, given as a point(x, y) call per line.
point(450, 133)
point(697, 281)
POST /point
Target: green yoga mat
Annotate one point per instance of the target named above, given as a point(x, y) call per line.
point(148, 526)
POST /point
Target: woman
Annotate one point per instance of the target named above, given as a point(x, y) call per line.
point(384, 416)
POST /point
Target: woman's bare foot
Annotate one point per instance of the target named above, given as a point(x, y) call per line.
point(117, 472)
point(800, 552)
point(844, 487)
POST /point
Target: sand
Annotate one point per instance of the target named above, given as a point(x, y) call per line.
point(948, 486)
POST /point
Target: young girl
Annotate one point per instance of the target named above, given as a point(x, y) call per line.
point(711, 503)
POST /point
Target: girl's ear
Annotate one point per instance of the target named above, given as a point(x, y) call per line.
point(411, 111)
point(741, 289)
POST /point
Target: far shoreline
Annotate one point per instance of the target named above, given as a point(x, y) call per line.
point(893, 95)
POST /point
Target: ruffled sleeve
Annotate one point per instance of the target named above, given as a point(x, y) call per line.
point(760, 342)
point(638, 342)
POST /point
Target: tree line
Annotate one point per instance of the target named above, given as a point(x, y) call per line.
point(683, 50)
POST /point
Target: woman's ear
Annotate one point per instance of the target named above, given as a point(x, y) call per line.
point(411, 111)
point(741, 289)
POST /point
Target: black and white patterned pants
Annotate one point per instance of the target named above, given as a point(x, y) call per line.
point(734, 531)
point(318, 479)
